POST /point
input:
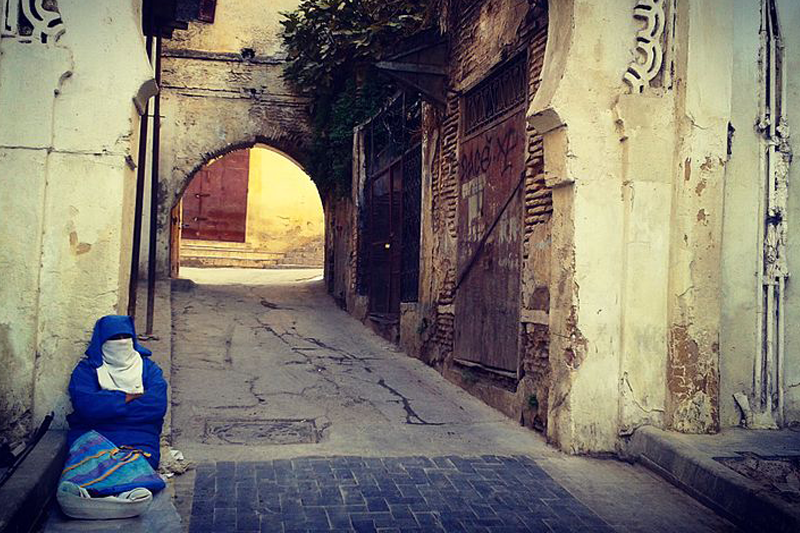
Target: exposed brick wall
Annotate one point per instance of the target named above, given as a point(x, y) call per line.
point(535, 361)
point(445, 194)
point(445, 317)
point(538, 198)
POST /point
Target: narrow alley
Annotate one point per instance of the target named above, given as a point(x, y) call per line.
point(301, 419)
point(432, 266)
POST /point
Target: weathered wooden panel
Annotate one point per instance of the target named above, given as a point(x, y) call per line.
point(490, 219)
point(385, 213)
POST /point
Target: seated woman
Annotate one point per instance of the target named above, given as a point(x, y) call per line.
point(118, 391)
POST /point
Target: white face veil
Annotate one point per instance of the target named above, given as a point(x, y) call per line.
point(122, 367)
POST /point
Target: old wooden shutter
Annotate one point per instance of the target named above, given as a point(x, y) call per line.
point(490, 220)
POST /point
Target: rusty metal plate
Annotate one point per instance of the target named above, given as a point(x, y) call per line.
point(260, 432)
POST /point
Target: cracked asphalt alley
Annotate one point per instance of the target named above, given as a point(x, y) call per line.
point(266, 368)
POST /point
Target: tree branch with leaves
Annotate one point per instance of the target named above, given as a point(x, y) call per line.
point(331, 48)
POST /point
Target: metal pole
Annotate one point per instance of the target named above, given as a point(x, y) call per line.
point(151, 263)
point(137, 217)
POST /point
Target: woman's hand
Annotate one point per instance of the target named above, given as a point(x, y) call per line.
point(131, 397)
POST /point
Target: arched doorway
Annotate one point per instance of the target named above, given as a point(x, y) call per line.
point(248, 208)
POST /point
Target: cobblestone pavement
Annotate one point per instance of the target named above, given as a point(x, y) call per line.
point(367, 494)
point(268, 373)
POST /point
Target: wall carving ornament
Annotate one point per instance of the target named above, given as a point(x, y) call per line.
point(31, 20)
point(649, 50)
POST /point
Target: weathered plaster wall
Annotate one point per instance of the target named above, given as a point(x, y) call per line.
point(704, 66)
point(66, 144)
point(635, 264)
point(789, 14)
point(583, 166)
point(740, 338)
point(223, 89)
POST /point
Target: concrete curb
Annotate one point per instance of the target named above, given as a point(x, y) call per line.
point(25, 495)
point(733, 496)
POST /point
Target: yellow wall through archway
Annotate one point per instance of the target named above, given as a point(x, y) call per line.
point(285, 224)
point(284, 211)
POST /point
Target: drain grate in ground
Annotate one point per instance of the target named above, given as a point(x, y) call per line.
point(269, 431)
point(777, 474)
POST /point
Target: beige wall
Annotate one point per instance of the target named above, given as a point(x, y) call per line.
point(284, 210)
point(66, 175)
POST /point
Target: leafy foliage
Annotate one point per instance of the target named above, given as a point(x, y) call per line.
point(331, 46)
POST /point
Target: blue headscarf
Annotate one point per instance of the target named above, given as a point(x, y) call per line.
point(107, 327)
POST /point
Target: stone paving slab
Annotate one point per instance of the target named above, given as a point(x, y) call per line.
point(160, 517)
point(372, 494)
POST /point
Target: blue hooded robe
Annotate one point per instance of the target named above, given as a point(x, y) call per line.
point(136, 423)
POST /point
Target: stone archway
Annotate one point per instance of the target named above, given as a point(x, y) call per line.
point(294, 151)
point(222, 90)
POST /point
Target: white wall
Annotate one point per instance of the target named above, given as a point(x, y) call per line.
point(789, 14)
point(67, 147)
point(741, 337)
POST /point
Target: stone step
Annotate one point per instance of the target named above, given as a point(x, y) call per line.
point(231, 262)
point(194, 249)
point(240, 255)
point(232, 254)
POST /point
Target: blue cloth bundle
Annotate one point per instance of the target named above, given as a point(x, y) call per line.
point(97, 465)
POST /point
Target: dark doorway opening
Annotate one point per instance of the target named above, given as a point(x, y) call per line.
point(392, 198)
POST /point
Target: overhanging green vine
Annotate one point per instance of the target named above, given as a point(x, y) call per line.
point(331, 47)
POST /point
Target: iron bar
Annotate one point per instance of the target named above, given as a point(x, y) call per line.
point(151, 260)
point(137, 217)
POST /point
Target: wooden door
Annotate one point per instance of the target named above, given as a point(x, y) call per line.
point(385, 267)
point(175, 240)
point(490, 219)
point(215, 202)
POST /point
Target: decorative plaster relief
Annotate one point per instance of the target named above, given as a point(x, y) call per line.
point(30, 20)
point(649, 49)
